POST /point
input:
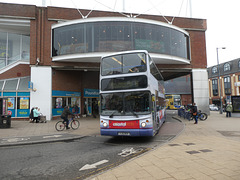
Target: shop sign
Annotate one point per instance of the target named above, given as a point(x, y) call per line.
point(66, 93)
point(30, 85)
point(9, 93)
point(23, 93)
point(91, 93)
point(23, 113)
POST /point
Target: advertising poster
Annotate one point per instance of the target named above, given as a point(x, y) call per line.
point(24, 103)
point(58, 102)
point(73, 101)
point(11, 103)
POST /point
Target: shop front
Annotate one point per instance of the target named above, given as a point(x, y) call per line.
point(60, 99)
point(18, 104)
point(91, 98)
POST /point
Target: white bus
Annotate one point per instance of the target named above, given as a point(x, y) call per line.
point(132, 100)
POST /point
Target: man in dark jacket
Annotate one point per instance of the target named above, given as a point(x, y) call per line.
point(195, 113)
point(31, 116)
point(65, 114)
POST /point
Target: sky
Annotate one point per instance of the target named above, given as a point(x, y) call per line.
point(223, 24)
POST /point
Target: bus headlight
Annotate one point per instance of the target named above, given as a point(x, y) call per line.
point(105, 124)
point(144, 124)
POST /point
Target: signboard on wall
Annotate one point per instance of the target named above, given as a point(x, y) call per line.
point(65, 93)
point(91, 93)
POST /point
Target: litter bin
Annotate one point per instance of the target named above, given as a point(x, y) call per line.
point(5, 121)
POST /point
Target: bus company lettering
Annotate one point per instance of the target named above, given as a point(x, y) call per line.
point(120, 124)
point(124, 124)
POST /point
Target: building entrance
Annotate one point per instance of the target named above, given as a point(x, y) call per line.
point(91, 98)
point(91, 107)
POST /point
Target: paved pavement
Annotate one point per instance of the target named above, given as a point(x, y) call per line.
point(23, 132)
point(200, 152)
point(208, 150)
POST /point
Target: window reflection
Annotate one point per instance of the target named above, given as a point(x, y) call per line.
point(226, 67)
point(119, 36)
point(128, 63)
point(13, 47)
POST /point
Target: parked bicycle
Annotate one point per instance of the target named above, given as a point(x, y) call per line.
point(202, 116)
point(73, 123)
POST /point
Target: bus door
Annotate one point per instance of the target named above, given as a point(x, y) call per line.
point(154, 112)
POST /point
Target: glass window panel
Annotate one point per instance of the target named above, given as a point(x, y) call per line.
point(25, 47)
point(214, 70)
point(134, 63)
point(23, 103)
point(3, 49)
point(23, 84)
point(89, 38)
point(14, 41)
point(1, 85)
point(118, 36)
point(111, 65)
point(226, 67)
point(128, 63)
point(11, 84)
point(215, 87)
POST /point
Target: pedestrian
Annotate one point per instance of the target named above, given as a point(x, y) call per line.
point(65, 114)
point(31, 118)
point(229, 109)
point(195, 113)
point(35, 114)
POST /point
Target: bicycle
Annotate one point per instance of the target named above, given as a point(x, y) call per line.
point(73, 123)
point(201, 116)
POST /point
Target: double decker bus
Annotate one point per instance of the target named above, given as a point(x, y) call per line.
point(132, 100)
point(173, 101)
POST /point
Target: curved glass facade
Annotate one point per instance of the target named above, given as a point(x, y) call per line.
point(13, 47)
point(112, 36)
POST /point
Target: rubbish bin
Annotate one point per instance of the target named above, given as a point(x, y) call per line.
point(5, 121)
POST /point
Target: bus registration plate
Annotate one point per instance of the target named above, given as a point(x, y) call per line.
point(124, 133)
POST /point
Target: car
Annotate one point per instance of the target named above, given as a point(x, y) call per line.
point(213, 107)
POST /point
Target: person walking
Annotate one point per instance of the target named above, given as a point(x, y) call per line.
point(195, 113)
point(229, 109)
point(31, 117)
point(35, 114)
point(65, 114)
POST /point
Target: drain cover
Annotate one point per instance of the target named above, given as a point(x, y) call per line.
point(192, 152)
point(205, 150)
point(174, 145)
point(189, 144)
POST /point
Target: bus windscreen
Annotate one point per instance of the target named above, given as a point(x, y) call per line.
point(123, 64)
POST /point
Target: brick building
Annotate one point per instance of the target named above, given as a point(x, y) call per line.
point(229, 84)
point(59, 53)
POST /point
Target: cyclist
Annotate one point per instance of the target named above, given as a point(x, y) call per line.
point(65, 114)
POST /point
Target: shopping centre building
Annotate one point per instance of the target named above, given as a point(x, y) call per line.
point(50, 56)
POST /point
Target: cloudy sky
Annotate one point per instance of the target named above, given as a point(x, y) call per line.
point(222, 18)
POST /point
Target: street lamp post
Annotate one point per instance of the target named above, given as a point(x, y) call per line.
point(220, 89)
